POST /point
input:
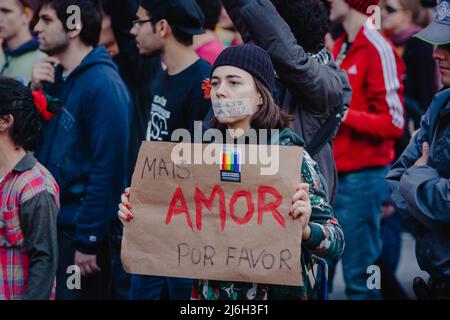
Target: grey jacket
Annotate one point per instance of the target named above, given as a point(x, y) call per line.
point(313, 85)
point(422, 193)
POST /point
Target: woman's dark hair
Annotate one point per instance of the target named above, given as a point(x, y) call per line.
point(211, 10)
point(269, 116)
point(17, 100)
point(91, 17)
point(308, 21)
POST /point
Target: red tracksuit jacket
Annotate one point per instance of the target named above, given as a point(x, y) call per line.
point(376, 117)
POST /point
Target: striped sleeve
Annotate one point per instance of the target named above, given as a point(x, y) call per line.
point(385, 114)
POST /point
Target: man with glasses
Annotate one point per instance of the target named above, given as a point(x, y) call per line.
point(166, 29)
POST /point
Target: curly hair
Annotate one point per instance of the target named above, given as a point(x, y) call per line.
point(17, 100)
point(308, 20)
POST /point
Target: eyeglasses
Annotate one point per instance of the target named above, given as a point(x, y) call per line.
point(137, 23)
point(391, 10)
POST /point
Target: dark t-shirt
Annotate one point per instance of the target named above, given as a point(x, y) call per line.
point(177, 101)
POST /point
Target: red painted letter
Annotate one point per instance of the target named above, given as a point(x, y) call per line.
point(250, 206)
point(271, 206)
point(173, 209)
point(200, 198)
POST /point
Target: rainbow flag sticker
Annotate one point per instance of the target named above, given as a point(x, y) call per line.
point(230, 165)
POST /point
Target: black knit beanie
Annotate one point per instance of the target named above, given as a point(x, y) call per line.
point(250, 58)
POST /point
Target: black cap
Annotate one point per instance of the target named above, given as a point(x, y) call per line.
point(250, 58)
point(186, 15)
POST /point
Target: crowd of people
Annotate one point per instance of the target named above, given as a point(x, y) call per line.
point(361, 85)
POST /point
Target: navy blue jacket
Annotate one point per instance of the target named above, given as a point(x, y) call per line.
point(85, 147)
point(422, 193)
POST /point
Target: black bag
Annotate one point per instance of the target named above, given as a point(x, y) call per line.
point(328, 131)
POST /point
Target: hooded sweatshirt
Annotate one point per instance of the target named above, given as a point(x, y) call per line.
point(85, 147)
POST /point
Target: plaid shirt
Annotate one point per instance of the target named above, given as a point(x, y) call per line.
point(26, 180)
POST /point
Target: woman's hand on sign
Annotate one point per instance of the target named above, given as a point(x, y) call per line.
point(301, 208)
point(125, 207)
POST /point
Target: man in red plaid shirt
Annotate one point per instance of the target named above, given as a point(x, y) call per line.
point(29, 198)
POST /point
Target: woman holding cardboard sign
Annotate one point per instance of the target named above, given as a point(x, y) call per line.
point(241, 88)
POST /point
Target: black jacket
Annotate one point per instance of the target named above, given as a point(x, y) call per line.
point(311, 86)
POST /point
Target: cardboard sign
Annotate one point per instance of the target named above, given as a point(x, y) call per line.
point(221, 221)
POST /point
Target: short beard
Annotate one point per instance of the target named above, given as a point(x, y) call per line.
point(58, 49)
point(154, 53)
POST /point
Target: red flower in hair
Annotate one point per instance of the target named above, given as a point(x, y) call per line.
point(40, 100)
point(206, 87)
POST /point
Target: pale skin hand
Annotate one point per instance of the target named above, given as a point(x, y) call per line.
point(387, 210)
point(124, 212)
point(87, 263)
point(423, 160)
point(43, 71)
point(301, 208)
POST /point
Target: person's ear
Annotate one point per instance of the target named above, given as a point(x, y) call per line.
point(75, 32)
point(6, 122)
point(164, 28)
point(28, 13)
point(260, 100)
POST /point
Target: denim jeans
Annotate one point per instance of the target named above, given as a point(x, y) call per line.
point(392, 240)
point(155, 288)
point(358, 209)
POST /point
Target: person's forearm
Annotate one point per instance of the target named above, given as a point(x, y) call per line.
point(427, 193)
point(377, 125)
point(327, 240)
point(38, 219)
point(318, 84)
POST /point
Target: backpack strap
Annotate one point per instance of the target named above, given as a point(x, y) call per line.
point(328, 130)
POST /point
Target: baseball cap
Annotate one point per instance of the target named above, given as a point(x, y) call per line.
point(438, 32)
point(186, 15)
